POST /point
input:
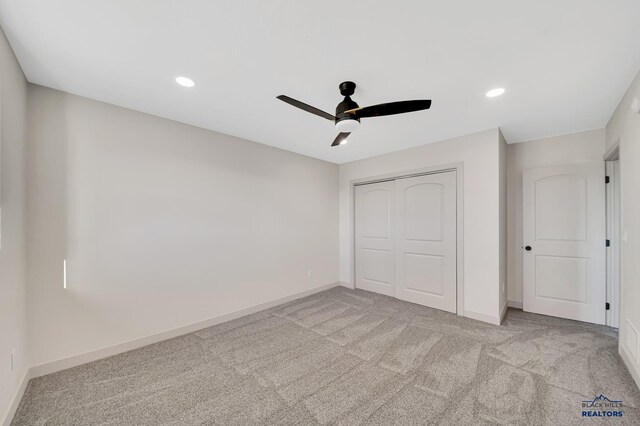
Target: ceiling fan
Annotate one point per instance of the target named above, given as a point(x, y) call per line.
point(348, 113)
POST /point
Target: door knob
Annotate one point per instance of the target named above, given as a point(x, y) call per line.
point(528, 248)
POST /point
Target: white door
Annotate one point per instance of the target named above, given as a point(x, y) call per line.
point(425, 235)
point(564, 241)
point(374, 237)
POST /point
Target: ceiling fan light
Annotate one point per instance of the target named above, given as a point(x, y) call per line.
point(185, 81)
point(348, 125)
point(494, 93)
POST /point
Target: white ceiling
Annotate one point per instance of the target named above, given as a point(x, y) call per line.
point(565, 64)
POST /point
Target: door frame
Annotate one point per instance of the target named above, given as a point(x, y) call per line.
point(458, 168)
point(613, 233)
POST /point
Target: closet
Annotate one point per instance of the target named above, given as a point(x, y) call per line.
point(405, 239)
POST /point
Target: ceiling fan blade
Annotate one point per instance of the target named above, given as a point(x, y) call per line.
point(390, 108)
point(340, 139)
point(305, 107)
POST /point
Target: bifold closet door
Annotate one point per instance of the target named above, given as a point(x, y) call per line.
point(374, 206)
point(425, 240)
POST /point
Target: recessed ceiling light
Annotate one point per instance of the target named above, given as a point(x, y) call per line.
point(495, 92)
point(185, 82)
point(344, 141)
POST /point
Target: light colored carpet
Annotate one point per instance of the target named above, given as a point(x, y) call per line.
point(347, 357)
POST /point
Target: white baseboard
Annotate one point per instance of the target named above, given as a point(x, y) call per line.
point(627, 359)
point(482, 317)
point(17, 398)
point(503, 311)
point(347, 285)
point(514, 304)
point(83, 358)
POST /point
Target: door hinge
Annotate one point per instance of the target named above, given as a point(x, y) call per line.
point(607, 306)
point(607, 243)
point(606, 179)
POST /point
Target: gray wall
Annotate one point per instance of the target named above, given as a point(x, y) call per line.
point(624, 129)
point(13, 328)
point(480, 155)
point(162, 224)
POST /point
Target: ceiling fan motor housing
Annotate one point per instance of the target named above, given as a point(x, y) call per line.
point(346, 123)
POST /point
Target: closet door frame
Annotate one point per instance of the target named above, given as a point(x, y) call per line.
point(459, 170)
